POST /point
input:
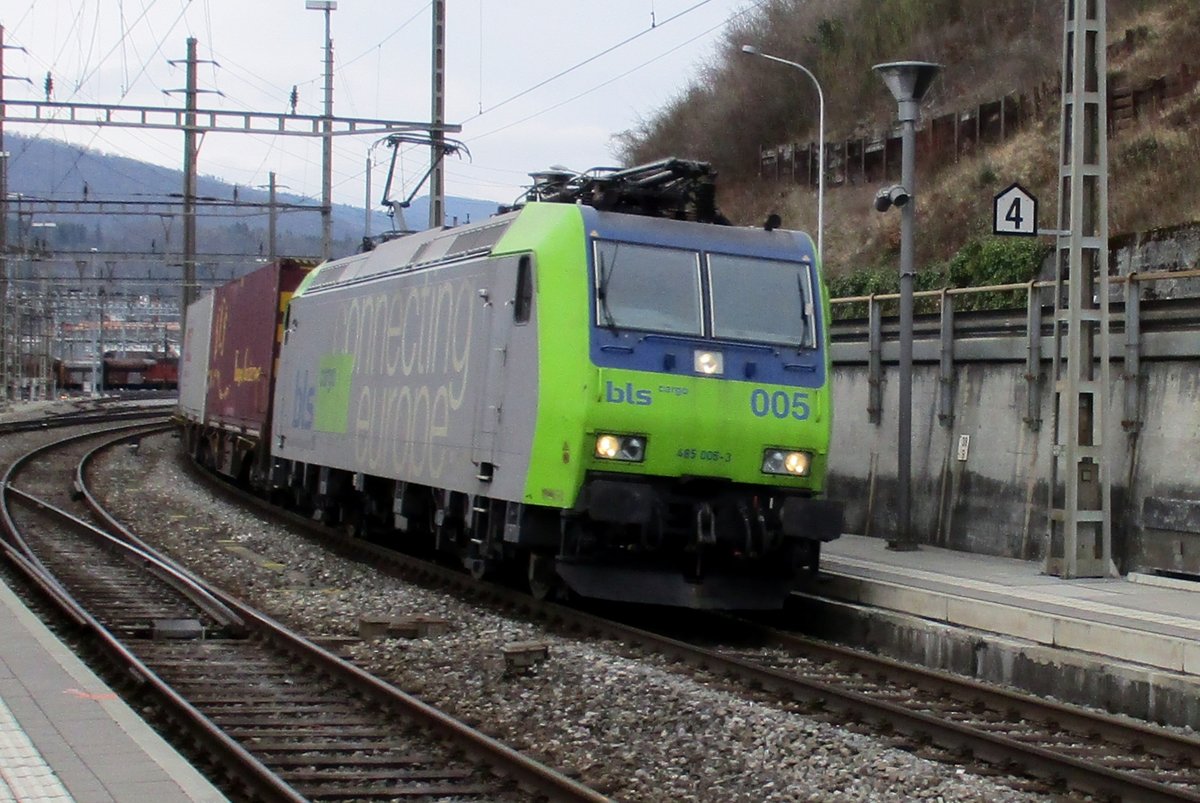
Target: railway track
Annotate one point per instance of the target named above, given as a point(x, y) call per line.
point(282, 718)
point(90, 413)
point(1064, 746)
point(955, 719)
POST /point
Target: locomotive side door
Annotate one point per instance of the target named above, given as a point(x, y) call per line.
point(497, 298)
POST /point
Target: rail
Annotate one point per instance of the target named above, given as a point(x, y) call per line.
point(504, 761)
point(1022, 745)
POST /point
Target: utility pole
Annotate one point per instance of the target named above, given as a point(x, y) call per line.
point(189, 182)
point(96, 332)
point(1080, 505)
point(191, 150)
point(6, 354)
point(4, 350)
point(367, 203)
point(437, 137)
point(272, 215)
point(326, 132)
point(106, 279)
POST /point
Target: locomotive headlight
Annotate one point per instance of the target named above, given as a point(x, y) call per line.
point(629, 448)
point(708, 362)
point(783, 461)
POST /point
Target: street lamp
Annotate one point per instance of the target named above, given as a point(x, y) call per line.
point(908, 82)
point(754, 51)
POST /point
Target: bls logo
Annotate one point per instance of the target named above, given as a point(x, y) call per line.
point(302, 404)
point(626, 395)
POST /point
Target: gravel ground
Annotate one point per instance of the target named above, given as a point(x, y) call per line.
point(635, 728)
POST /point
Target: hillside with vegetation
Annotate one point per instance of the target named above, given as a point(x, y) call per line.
point(988, 49)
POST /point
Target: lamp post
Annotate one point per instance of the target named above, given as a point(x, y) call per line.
point(754, 51)
point(326, 132)
point(908, 82)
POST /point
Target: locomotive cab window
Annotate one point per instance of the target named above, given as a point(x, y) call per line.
point(779, 310)
point(649, 288)
point(523, 302)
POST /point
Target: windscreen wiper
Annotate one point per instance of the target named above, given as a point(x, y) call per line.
point(602, 291)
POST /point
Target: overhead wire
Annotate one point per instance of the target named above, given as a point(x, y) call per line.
point(49, 122)
point(90, 69)
point(381, 42)
point(584, 62)
point(251, 78)
point(755, 5)
point(598, 86)
point(126, 90)
point(152, 142)
point(67, 36)
point(589, 60)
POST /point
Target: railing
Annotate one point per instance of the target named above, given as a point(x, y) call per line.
point(1171, 328)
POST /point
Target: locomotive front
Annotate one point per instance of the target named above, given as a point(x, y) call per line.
point(705, 416)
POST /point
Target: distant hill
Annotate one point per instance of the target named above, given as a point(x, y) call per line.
point(147, 246)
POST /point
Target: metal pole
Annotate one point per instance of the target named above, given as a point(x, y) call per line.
point(1079, 536)
point(437, 137)
point(271, 220)
point(327, 149)
point(4, 350)
point(367, 203)
point(908, 82)
point(821, 176)
point(96, 330)
point(189, 186)
point(103, 291)
point(904, 537)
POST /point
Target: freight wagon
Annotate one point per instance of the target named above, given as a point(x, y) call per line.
point(133, 370)
point(230, 351)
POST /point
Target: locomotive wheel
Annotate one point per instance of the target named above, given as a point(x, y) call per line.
point(543, 582)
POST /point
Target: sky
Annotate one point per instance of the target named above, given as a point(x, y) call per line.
point(533, 83)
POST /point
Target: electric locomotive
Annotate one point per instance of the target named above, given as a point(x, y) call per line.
point(618, 396)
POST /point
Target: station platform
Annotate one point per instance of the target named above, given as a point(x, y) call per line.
point(65, 736)
point(1130, 644)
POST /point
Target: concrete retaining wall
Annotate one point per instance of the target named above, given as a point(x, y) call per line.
point(995, 501)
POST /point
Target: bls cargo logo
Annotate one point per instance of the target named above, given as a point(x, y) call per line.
point(302, 402)
point(627, 395)
point(324, 405)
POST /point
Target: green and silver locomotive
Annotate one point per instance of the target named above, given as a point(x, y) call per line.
point(620, 403)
